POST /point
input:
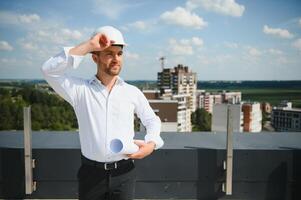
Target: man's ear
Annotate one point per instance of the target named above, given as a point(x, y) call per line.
point(95, 58)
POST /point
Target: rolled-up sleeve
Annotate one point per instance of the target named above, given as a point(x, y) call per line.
point(54, 72)
point(150, 120)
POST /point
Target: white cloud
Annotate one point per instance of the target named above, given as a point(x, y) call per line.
point(139, 25)
point(7, 17)
point(182, 17)
point(282, 60)
point(110, 9)
point(271, 53)
point(216, 59)
point(300, 22)
point(71, 34)
point(7, 62)
point(42, 38)
point(184, 46)
point(297, 44)
point(254, 52)
point(231, 45)
point(31, 18)
point(274, 51)
point(5, 46)
point(45, 37)
point(51, 36)
point(131, 56)
point(197, 41)
point(28, 45)
point(224, 7)
point(42, 33)
point(282, 33)
point(180, 48)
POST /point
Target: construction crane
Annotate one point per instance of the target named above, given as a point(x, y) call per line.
point(162, 59)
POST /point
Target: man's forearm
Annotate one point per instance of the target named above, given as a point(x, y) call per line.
point(152, 143)
point(81, 49)
point(97, 43)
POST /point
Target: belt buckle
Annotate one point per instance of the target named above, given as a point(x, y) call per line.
point(107, 166)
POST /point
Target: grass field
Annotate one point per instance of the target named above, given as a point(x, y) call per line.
point(273, 96)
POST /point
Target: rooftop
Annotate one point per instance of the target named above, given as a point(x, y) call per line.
point(189, 166)
point(207, 140)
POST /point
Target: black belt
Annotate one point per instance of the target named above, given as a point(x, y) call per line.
point(105, 166)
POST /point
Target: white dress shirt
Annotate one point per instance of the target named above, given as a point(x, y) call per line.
point(102, 115)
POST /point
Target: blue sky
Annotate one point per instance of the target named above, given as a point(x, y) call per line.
point(218, 39)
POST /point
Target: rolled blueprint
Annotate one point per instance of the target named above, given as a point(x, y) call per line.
point(120, 146)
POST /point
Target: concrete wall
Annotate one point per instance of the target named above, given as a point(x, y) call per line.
point(176, 173)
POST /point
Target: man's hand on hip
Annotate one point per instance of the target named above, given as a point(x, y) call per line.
point(145, 149)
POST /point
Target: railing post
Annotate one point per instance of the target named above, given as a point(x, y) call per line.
point(228, 165)
point(30, 185)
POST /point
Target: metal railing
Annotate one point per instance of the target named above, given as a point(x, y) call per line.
point(30, 185)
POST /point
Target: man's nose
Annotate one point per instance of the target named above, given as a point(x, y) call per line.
point(115, 57)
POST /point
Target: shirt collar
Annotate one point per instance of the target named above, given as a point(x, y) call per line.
point(94, 79)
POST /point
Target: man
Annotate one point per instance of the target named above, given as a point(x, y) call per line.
point(104, 107)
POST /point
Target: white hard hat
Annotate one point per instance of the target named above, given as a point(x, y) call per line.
point(112, 33)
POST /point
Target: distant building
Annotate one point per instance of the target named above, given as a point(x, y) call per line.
point(167, 110)
point(172, 110)
point(184, 113)
point(180, 80)
point(219, 118)
point(206, 100)
point(246, 117)
point(286, 118)
point(252, 117)
point(231, 97)
point(266, 107)
point(285, 104)
point(151, 94)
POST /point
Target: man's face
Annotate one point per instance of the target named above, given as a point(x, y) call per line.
point(109, 61)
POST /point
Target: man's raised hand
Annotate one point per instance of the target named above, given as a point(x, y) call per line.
point(100, 42)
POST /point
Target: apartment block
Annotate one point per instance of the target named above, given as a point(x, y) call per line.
point(172, 110)
point(167, 111)
point(180, 80)
point(184, 113)
point(252, 117)
point(286, 118)
point(219, 117)
point(246, 117)
point(231, 97)
point(206, 100)
point(266, 107)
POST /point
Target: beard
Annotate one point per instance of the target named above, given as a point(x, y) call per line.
point(113, 70)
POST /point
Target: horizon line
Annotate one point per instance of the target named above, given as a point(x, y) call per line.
point(37, 79)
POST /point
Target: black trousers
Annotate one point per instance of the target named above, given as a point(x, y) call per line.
point(96, 183)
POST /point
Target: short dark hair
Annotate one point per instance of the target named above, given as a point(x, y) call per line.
point(116, 45)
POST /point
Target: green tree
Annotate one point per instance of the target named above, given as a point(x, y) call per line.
point(6, 119)
point(136, 123)
point(201, 120)
point(48, 110)
point(265, 118)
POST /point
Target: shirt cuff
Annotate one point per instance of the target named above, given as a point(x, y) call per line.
point(154, 138)
point(73, 60)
